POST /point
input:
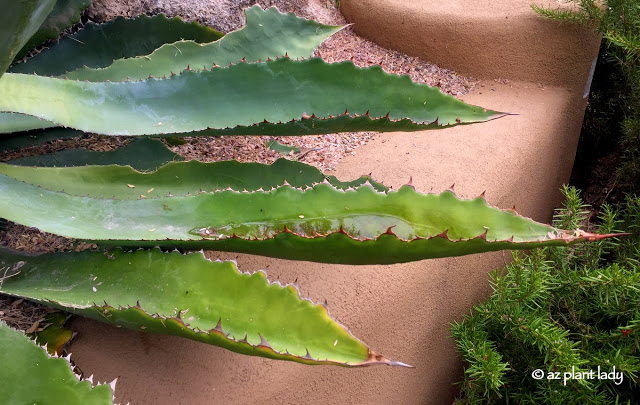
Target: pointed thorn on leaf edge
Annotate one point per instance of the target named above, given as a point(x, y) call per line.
point(484, 234)
point(308, 355)
point(376, 358)
point(263, 342)
point(410, 183)
point(112, 384)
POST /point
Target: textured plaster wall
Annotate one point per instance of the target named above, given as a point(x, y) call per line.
point(486, 39)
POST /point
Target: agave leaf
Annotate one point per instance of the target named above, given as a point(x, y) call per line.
point(54, 335)
point(11, 123)
point(19, 20)
point(29, 376)
point(12, 142)
point(141, 154)
point(268, 34)
point(307, 95)
point(189, 296)
point(98, 45)
point(177, 178)
point(64, 14)
point(321, 223)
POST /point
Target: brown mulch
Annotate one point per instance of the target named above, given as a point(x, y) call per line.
point(94, 143)
point(22, 238)
point(23, 315)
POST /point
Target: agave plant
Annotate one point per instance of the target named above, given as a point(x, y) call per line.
point(178, 79)
point(41, 378)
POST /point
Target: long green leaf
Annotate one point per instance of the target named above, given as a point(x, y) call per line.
point(98, 45)
point(64, 14)
point(189, 296)
point(309, 96)
point(12, 142)
point(268, 34)
point(321, 223)
point(29, 376)
point(177, 178)
point(11, 122)
point(140, 153)
point(19, 20)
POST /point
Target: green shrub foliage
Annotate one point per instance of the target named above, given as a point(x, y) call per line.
point(560, 310)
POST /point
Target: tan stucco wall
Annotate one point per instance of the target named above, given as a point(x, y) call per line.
point(485, 39)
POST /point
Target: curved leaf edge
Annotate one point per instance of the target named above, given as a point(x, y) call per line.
point(55, 24)
point(64, 361)
point(172, 168)
point(347, 249)
point(307, 124)
point(562, 238)
point(248, 15)
point(554, 236)
point(29, 122)
point(25, 19)
point(161, 18)
point(177, 326)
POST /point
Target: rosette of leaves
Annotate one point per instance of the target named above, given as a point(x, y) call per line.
point(257, 80)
